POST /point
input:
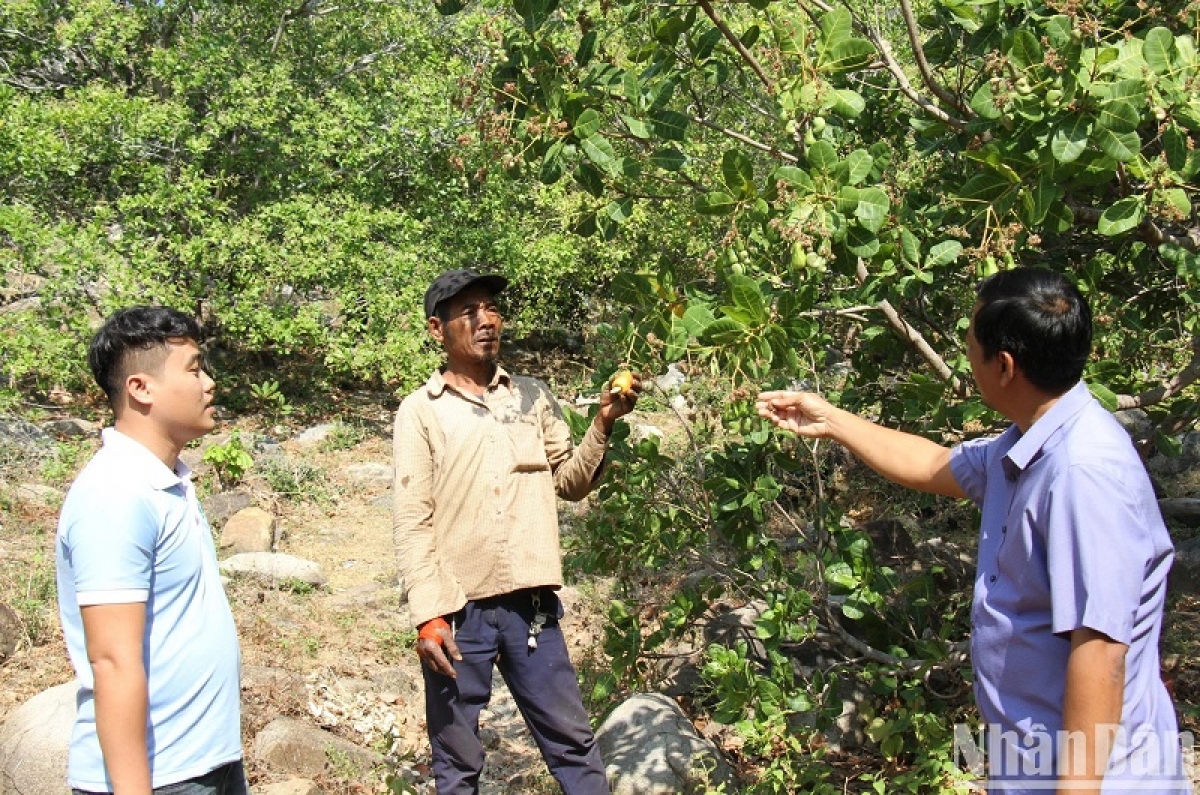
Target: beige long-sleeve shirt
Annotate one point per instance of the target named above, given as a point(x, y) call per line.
point(475, 499)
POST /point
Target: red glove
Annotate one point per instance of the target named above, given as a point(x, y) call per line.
point(429, 630)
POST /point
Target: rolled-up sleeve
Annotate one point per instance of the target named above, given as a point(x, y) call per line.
point(577, 468)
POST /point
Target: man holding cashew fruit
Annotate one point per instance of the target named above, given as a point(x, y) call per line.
point(481, 458)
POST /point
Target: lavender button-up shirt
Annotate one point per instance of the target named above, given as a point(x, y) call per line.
point(1071, 537)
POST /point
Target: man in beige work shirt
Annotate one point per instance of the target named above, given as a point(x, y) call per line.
point(481, 457)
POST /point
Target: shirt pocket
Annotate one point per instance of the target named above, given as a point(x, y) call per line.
point(528, 447)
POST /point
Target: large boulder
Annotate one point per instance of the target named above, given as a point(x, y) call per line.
point(274, 568)
point(651, 748)
point(248, 530)
point(292, 746)
point(34, 741)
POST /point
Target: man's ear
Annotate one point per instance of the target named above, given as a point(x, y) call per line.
point(137, 387)
point(434, 324)
point(1008, 367)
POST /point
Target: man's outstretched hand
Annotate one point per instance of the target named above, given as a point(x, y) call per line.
point(802, 413)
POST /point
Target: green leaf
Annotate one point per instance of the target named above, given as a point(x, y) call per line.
point(910, 246)
point(836, 26)
point(588, 124)
point(846, 200)
point(943, 253)
point(858, 166)
point(747, 296)
point(599, 151)
point(1119, 115)
point(1070, 138)
point(872, 209)
point(1176, 198)
point(619, 210)
point(862, 242)
point(1023, 49)
point(1159, 50)
point(591, 179)
point(552, 164)
point(637, 127)
point(1121, 147)
point(1059, 218)
point(586, 49)
point(984, 103)
point(738, 173)
point(668, 159)
point(847, 55)
point(1122, 216)
point(796, 177)
point(1175, 147)
point(715, 203)
point(697, 319)
point(986, 186)
point(1036, 200)
point(1104, 395)
point(823, 157)
point(847, 103)
point(669, 125)
point(724, 331)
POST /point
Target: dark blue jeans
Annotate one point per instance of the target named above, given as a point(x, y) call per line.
point(495, 632)
point(227, 779)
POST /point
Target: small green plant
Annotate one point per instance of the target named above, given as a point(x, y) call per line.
point(36, 604)
point(296, 479)
point(229, 460)
point(271, 399)
point(344, 436)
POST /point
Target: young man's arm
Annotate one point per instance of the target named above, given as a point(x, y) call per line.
point(911, 461)
point(1092, 703)
point(114, 635)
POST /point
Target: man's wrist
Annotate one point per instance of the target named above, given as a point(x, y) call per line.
point(604, 426)
point(431, 630)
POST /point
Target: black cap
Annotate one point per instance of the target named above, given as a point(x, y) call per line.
point(451, 283)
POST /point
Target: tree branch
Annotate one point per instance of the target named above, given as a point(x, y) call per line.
point(774, 150)
point(894, 68)
point(914, 39)
point(1172, 387)
point(732, 38)
point(914, 338)
point(1147, 230)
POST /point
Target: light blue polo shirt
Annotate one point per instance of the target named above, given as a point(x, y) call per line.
point(131, 530)
point(1070, 537)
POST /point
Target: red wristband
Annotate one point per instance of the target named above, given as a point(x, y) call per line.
point(429, 630)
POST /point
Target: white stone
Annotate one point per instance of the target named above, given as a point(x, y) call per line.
point(34, 741)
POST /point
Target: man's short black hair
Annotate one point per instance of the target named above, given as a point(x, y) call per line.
point(1042, 320)
point(129, 332)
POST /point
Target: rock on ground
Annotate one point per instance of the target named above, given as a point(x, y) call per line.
point(248, 530)
point(34, 741)
point(292, 746)
point(274, 567)
point(651, 748)
point(219, 507)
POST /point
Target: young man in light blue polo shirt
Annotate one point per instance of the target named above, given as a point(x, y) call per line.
point(1073, 552)
point(147, 624)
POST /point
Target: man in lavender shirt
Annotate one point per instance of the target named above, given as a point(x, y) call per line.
point(1073, 552)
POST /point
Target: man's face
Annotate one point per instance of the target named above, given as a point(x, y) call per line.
point(471, 333)
point(181, 392)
